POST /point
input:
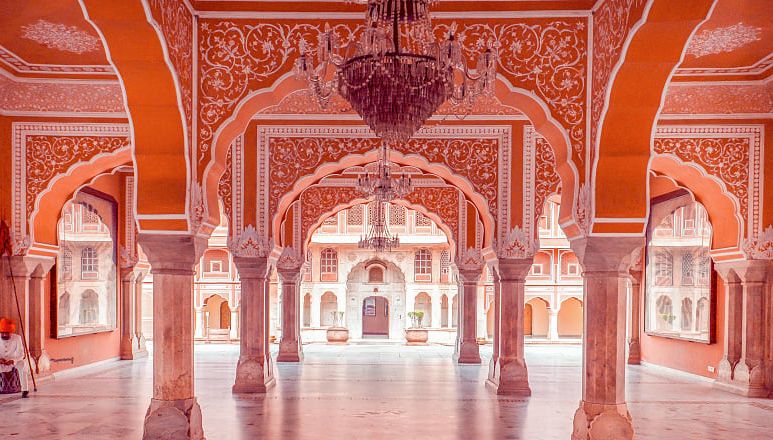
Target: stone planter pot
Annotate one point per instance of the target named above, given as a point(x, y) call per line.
point(416, 336)
point(337, 335)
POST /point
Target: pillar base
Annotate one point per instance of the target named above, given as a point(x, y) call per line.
point(745, 382)
point(597, 421)
point(509, 377)
point(252, 377)
point(128, 348)
point(634, 353)
point(469, 353)
point(174, 420)
point(289, 351)
point(42, 365)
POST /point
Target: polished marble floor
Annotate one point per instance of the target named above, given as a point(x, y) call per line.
point(381, 391)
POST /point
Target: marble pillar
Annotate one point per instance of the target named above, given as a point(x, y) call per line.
point(289, 270)
point(254, 372)
point(748, 375)
point(174, 411)
point(508, 374)
point(470, 265)
point(634, 344)
point(128, 302)
point(733, 322)
point(603, 412)
point(37, 318)
point(234, 329)
point(553, 323)
point(19, 272)
point(139, 336)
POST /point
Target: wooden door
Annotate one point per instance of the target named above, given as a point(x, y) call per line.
point(375, 316)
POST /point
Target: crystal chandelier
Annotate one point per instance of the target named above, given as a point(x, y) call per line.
point(380, 183)
point(398, 74)
point(378, 238)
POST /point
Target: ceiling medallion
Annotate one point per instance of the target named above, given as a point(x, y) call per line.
point(397, 76)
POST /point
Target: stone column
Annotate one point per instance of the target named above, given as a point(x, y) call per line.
point(749, 374)
point(139, 336)
point(199, 331)
point(603, 412)
point(37, 318)
point(234, 333)
point(470, 265)
point(316, 305)
point(634, 346)
point(508, 374)
point(436, 312)
point(552, 324)
point(733, 322)
point(128, 330)
point(173, 411)
point(289, 269)
point(19, 272)
point(254, 373)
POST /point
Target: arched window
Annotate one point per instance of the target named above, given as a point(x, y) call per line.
point(687, 314)
point(328, 265)
point(444, 311)
point(375, 274)
point(328, 308)
point(89, 263)
point(702, 315)
point(63, 311)
point(307, 310)
point(664, 313)
point(89, 307)
point(423, 303)
point(422, 265)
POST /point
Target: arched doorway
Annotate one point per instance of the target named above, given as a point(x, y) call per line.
point(528, 325)
point(328, 306)
point(540, 320)
point(307, 310)
point(375, 317)
point(217, 321)
point(570, 319)
point(423, 304)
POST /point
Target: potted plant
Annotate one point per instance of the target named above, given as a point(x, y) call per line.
point(416, 334)
point(338, 333)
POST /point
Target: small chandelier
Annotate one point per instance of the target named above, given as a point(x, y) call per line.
point(378, 238)
point(380, 184)
point(397, 75)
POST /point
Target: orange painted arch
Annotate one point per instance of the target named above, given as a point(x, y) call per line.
point(721, 206)
point(523, 100)
point(619, 174)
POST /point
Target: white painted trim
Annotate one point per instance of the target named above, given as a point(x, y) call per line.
point(84, 370)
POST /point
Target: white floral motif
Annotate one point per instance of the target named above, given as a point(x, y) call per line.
point(761, 247)
point(290, 259)
point(469, 260)
point(517, 245)
point(583, 210)
point(61, 37)
point(249, 244)
point(723, 39)
point(198, 208)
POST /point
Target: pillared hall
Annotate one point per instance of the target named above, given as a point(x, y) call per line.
point(530, 219)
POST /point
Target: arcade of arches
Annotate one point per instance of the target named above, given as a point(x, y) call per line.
point(166, 180)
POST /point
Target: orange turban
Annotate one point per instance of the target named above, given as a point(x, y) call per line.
point(7, 325)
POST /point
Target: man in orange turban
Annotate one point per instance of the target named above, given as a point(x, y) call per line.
point(12, 358)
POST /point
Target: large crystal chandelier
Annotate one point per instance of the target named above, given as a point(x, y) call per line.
point(378, 238)
point(380, 183)
point(397, 75)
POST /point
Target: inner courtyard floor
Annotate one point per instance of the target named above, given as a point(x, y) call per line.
point(381, 391)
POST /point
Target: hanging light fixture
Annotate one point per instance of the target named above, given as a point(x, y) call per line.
point(380, 183)
point(397, 75)
point(379, 238)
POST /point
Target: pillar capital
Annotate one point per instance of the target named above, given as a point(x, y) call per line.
point(27, 266)
point(513, 270)
point(470, 264)
point(251, 267)
point(606, 254)
point(173, 254)
point(289, 264)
